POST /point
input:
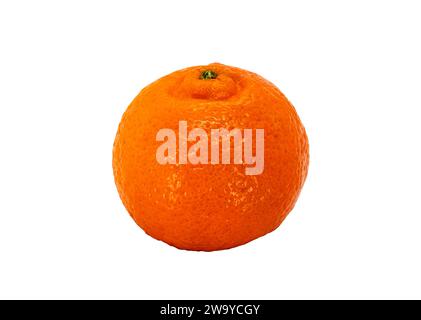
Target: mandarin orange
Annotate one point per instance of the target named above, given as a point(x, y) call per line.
point(209, 206)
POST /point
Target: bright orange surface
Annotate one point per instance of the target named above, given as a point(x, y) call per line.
point(209, 207)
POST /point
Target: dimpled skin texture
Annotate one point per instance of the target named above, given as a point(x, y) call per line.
point(208, 207)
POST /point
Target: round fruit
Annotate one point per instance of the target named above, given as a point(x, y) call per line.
point(209, 205)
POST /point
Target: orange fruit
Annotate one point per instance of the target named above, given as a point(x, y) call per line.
point(209, 206)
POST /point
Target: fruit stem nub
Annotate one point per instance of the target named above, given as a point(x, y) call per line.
point(208, 75)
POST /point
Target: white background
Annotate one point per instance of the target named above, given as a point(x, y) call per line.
point(68, 70)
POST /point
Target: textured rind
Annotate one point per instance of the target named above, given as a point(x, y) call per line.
point(209, 207)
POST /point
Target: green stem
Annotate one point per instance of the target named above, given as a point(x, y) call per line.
point(208, 75)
